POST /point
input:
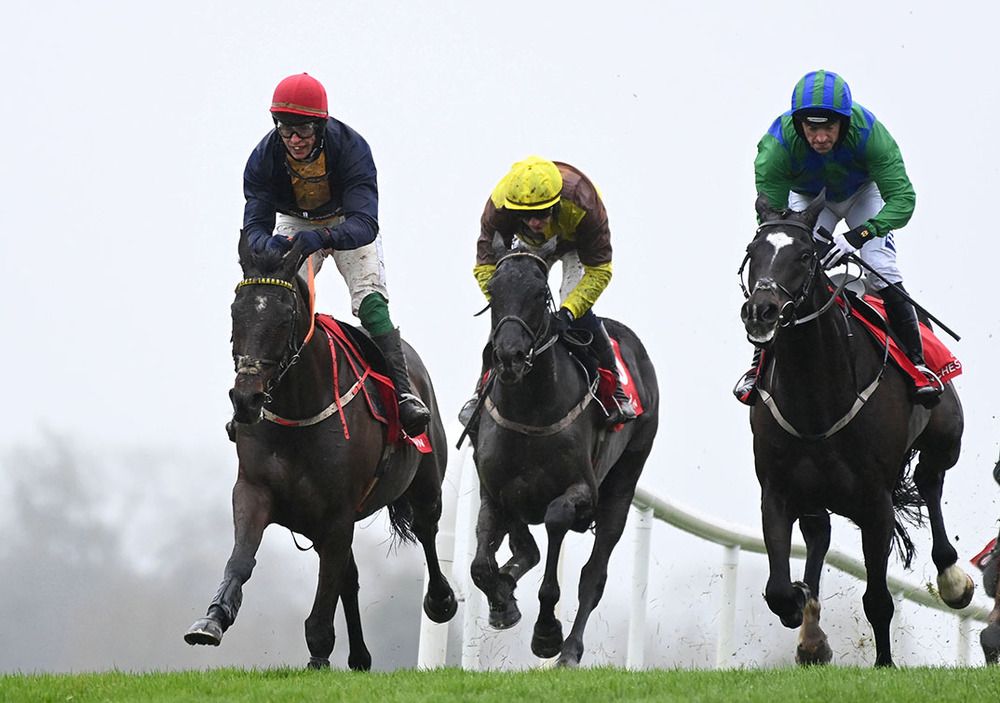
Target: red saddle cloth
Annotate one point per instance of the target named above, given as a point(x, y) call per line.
point(939, 359)
point(606, 386)
point(386, 410)
point(981, 560)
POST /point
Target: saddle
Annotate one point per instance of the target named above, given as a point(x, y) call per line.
point(869, 310)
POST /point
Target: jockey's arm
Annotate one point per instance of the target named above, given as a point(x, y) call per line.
point(885, 164)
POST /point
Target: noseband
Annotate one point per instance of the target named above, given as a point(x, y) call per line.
point(786, 316)
point(536, 335)
point(252, 366)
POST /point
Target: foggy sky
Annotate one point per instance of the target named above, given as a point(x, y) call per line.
point(128, 128)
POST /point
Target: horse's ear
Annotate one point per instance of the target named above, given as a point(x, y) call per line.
point(764, 210)
point(246, 253)
point(812, 211)
point(499, 247)
point(549, 248)
point(292, 260)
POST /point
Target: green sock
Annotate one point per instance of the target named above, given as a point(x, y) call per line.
point(374, 315)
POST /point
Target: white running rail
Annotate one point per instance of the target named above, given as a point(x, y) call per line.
point(457, 536)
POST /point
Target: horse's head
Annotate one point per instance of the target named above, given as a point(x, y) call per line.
point(520, 301)
point(783, 264)
point(270, 320)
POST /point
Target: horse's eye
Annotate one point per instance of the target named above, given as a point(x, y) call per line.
point(805, 256)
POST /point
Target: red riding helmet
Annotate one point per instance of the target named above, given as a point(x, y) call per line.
point(300, 94)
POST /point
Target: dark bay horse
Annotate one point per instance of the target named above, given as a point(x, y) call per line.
point(544, 456)
point(320, 478)
point(834, 429)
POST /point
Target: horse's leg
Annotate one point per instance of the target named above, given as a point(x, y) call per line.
point(334, 552)
point(424, 496)
point(359, 658)
point(989, 638)
point(784, 598)
point(813, 646)
point(251, 514)
point(524, 552)
point(575, 506)
point(955, 586)
point(876, 543)
point(498, 587)
point(614, 501)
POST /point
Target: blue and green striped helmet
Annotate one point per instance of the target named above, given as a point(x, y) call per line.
point(822, 90)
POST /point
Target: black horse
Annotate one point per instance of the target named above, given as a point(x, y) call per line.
point(543, 455)
point(319, 478)
point(834, 429)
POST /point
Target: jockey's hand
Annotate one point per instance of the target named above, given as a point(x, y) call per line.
point(278, 244)
point(562, 320)
point(314, 240)
point(845, 243)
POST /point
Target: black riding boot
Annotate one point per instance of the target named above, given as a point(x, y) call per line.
point(468, 411)
point(413, 414)
point(601, 344)
point(902, 318)
point(743, 390)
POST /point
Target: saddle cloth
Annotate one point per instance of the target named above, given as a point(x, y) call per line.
point(606, 386)
point(377, 388)
point(939, 359)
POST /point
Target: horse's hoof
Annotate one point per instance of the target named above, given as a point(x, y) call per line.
point(956, 587)
point(318, 663)
point(441, 610)
point(360, 662)
point(990, 641)
point(571, 654)
point(506, 618)
point(204, 631)
point(546, 642)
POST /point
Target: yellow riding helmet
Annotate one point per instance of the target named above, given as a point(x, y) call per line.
point(533, 184)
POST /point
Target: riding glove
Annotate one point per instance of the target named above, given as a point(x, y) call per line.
point(314, 240)
point(278, 244)
point(562, 320)
point(845, 243)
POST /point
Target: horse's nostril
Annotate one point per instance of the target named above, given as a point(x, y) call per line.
point(769, 313)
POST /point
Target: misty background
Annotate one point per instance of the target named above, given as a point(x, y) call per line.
point(127, 129)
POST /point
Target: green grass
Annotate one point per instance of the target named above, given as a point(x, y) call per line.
point(822, 685)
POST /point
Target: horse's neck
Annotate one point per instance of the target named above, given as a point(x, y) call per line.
point(553, 385)
point(817, 357)
point(307, 388)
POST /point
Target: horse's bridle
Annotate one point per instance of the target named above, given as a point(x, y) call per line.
point(253, 366)
point(536, 335)
point(786, 316)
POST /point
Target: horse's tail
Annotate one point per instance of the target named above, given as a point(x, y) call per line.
point(907, 504)
point(401, 520)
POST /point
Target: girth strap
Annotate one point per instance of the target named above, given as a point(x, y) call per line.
point(840, 424)
point(534, 431)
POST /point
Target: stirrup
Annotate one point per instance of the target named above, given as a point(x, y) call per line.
point(624, 410)
point(465, 414)
point(743, 390)
point(936, 385)
point(413, 414)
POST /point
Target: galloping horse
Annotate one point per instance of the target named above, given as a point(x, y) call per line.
point(834, 429)
point(319, 463)
point(543, 454)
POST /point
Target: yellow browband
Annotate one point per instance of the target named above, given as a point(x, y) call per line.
point(264, 281)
